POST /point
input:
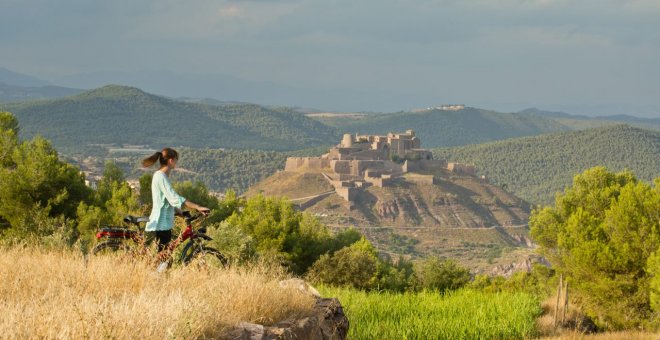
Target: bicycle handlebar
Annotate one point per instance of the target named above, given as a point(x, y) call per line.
point(189, 217)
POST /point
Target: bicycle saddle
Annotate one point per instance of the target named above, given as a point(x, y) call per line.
point(135, 219)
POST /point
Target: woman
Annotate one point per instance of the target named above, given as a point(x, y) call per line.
point(165, 200)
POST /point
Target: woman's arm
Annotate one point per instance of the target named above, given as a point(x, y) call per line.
point(201, 209)
point(176, 200)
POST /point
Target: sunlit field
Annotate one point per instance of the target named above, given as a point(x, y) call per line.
point(62, 295)
point(463, 314)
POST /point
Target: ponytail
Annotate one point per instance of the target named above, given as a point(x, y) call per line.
point(149, 161)
point(161, 156)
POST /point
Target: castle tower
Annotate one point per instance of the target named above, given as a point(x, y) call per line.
point(347, 141)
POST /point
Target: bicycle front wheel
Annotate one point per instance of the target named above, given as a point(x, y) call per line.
point(203, 256)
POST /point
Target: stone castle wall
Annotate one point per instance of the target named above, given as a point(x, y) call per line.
point(421, 179)
point(462, 168)
point(294, 164)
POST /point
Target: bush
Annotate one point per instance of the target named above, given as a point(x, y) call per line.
point(440, 275)
point(540, 282)
point(354, 266)
point(281, 232)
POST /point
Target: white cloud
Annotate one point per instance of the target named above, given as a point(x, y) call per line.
point(231, 11)
point(554, 36)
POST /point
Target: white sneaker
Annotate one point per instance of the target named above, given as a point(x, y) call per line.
point(162, 267)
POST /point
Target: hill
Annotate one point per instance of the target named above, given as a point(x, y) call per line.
point(439, 128)
point(126, 115)
point(534, 168)
point(10, 77)
point(578, 122)
point(460, 217)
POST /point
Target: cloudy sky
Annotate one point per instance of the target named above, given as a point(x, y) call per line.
point(581, 56)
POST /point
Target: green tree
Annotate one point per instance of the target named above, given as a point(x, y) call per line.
point(113, 177)
point(145, 188)
point(600, 234)
point(441, 275)
point(90, 218)
point(36, 177)
point(8, 137)
point(654, 270)
point(123, 201)
point(196, 192)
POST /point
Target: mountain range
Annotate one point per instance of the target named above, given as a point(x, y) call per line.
point(126, 115)
point(438, 128)
point(15, 87)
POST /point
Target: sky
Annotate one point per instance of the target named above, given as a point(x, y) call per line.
point(582, 57)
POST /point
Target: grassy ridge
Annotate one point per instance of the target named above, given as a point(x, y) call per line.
point(463, 314)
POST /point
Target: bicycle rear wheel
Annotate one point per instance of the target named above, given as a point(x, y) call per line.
point(202, 256)
point(110, 247)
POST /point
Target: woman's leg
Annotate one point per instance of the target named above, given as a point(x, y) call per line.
point(164, 237)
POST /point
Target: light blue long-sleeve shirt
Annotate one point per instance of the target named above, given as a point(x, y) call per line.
point(165, 199)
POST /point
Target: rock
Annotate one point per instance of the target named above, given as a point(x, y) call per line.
point(524, 265)
point(301, 286)
point(327, 323)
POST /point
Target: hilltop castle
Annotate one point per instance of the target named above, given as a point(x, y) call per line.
point(364, 160)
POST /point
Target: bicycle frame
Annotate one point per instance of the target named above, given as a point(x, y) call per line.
point(186, 234)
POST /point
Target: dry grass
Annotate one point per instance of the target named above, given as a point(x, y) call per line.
point(575, 328)
point(625, 335)
point(59, 295)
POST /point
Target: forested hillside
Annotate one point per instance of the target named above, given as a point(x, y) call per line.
point(438, 128)
point(126, 115)
point(534, 168)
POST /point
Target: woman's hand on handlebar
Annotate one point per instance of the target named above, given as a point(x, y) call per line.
point(204, 210)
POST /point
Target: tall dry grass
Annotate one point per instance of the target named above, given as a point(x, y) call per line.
point(574, 327)
point(61, 295)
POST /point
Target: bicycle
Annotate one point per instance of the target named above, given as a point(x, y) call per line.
point(194, 251)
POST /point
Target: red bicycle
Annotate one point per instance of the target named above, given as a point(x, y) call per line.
point(127, 239)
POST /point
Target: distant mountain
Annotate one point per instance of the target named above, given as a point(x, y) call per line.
point(438, 128)
point(9, 77)
point(534, 168)
point(224, 87)
point(583, 122)
point(630, 119)
point(209, 101)
point(127, 115)
point(554, 114)
point(12, 93)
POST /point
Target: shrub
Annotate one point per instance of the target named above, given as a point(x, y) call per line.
point(440, 275)
point(354, 266)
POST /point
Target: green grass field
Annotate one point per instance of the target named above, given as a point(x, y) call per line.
point(463, 314)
